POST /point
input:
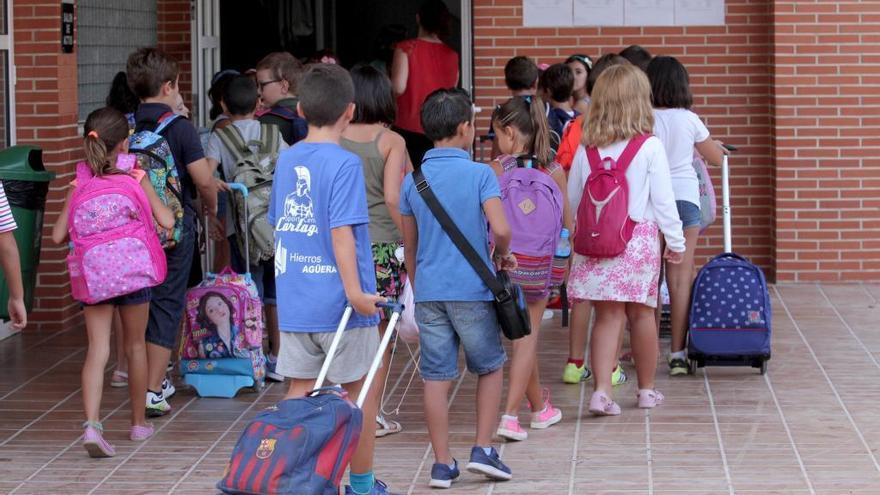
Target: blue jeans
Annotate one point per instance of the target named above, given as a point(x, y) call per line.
point(689, 214)
point(169, 298)
point(443, 325)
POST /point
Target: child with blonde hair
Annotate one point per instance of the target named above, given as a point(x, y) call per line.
point(622, 287)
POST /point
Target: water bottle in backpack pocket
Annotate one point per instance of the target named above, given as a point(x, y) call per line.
point(115, 250)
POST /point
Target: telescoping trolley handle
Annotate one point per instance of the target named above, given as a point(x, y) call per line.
point(725, 200)
point(396, 309)
point(209, 253)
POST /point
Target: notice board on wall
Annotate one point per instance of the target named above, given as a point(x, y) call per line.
point(561, 13)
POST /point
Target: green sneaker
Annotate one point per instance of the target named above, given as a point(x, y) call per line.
point(618, 377)
point(677, 367)
point(573, 374)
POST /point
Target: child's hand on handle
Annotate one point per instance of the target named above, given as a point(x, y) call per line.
point(17, 313)
point(365, 304)
point(673, 256)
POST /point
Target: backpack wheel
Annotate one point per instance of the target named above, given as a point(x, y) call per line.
point(692, 367)
point(764, 367)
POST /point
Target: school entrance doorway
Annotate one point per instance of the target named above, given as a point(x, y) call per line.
point(231, 34)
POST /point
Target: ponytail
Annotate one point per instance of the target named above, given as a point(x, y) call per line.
point(104, 129)
point(541, 147)
point(526, 115)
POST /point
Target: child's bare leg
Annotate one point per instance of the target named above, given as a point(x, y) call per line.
point(680, 279)
point(98, 326)
point(272, 328)
point(643, 336)
point(578, 330)
point(522, 365)
point(488, 401)
point(121, 361)
point(437, 416)
point(134, 326)
point(603, 344)
point(362, 460)
point(299, 387)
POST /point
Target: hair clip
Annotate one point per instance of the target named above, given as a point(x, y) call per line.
point(527, 98)
point(93, 134)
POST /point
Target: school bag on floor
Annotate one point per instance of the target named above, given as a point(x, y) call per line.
point(254, 170)
point(155, 158)
point(303, 446)
point(115, 250)
point(730, 315)
point(604, 227)
point(532, 202)
point(221, 350)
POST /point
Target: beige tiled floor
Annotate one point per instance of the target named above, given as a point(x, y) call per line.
point(810, 426)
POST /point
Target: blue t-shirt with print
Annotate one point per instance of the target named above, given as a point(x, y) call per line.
point(318, 187)
point(461, 186)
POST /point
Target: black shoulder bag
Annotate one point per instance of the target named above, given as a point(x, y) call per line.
point(510, 302)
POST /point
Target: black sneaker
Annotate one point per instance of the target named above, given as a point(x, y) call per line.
point(678, 366)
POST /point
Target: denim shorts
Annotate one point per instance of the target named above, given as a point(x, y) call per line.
point(139, 296)
point(169, 298)
point(689, 214)
point(262, 274)
point(443, 325)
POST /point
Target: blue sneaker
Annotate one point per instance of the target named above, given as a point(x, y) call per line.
point(442, 476)
point(379, 488)
point(271, 374)
point(488, 465)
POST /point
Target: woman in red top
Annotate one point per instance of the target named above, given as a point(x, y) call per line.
point(421, 66)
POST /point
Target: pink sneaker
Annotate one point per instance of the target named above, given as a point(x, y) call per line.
point(94, 443)
point(602, 405)
point(140, 433)
point(548, 416)
point(649, 399)
point(511, 430)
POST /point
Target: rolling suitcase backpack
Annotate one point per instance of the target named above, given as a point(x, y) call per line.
point(303, 446)
point(221, 350)
point(730, 316)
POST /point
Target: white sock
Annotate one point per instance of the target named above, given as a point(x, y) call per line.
point(677, 355)
point(506, 417)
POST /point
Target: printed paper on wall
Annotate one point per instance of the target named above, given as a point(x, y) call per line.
point(649, 13)
point(551, 13)
point(699, 12)
point(598, 12)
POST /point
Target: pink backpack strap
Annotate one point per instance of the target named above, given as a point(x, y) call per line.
point(83, 174)
point(626, 157)
point(632, 147)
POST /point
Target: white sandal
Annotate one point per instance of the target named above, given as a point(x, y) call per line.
point(119, 379)
point(386, 427)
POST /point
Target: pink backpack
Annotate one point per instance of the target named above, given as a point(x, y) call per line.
point(604, 227)
point(115, 250)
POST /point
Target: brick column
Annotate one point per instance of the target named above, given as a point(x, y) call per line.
point(174, 25)
point(46, 115)
point(827, 134)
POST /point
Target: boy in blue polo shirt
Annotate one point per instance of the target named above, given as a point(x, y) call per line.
point(453, 305)
point(323, 259)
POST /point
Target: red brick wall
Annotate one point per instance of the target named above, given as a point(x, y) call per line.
point(730, 76)
point(46, 115)
point(174, 25)
point(827, 133)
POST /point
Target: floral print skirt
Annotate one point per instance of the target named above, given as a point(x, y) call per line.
point(629, 277)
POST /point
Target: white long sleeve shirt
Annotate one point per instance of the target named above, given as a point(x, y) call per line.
point(650, 187)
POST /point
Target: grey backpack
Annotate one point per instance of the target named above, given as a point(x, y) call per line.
point(255, 170)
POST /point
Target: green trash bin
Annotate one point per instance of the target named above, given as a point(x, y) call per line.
point(26, 183)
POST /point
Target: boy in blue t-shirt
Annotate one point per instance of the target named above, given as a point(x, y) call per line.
point(453, 305)
point(323, 259)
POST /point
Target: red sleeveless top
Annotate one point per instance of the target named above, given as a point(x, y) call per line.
point(431, 66)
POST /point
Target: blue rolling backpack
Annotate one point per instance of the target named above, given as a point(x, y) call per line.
point(730, 316)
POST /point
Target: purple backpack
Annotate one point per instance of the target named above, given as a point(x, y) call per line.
point(533, 206)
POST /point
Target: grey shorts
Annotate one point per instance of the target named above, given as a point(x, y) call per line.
point(302, 354)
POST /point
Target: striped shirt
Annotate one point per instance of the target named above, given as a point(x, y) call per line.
point(7, 223)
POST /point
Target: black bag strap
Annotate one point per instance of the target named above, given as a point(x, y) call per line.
point(464, 246)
